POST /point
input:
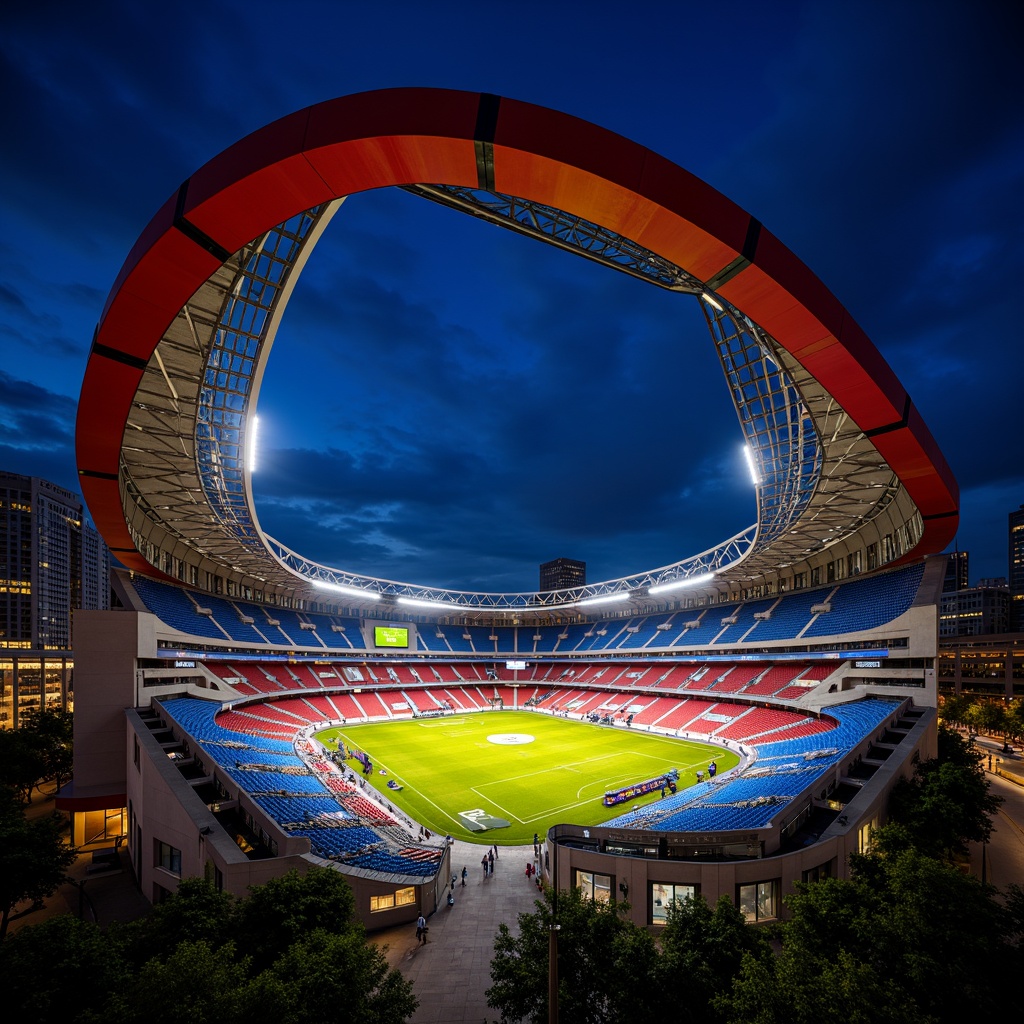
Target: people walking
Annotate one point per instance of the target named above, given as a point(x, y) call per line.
point(465, 873)
point(490, 861)
point(421, 929)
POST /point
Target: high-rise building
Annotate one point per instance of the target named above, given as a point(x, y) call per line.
point(956, 572)
point(975, 611)
point(51, 562)
point(1016, 570)
point(562, 573)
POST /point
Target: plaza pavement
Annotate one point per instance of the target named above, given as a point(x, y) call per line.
point(452, 971)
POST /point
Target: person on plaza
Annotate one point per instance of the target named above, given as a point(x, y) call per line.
point(490, 861)
point(483, 861)
point(465, 872)
point(421, 929)
point(495, 851)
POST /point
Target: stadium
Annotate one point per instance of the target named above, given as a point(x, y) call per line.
point(215, 707)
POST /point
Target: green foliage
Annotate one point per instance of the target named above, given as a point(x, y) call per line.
point(947, 803)
point(39, 750)
point(315, 974)
point(1014, 724)
point(607, 966)
point(197, 912)
point(702, 950)
point(196, 984)
point(22, 763)
point(51, 731)
point(987, 717)
point(286, 909)
point(34, 857)
point(887, 945)
point(53, 972)
point(289, 953)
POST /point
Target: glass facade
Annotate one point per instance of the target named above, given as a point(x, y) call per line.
point(597, 887)
point(759, 901)
point(29, 682)
point(662, 896)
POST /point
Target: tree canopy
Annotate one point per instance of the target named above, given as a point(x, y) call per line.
point(289, 952)
point(34, 858)
point(946, 805)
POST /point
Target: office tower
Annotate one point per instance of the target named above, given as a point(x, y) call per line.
point(51, 561)
point(562, 573)
point(1016, 570)
point(956, 572)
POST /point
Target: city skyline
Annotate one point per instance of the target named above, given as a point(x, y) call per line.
point(452, 405)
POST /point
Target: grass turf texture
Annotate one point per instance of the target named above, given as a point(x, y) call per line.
point(448, 765)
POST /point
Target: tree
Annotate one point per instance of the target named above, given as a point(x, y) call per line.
point(34, 858)
point(955, 708)
point(50, 732)
point(21, 764)
point(702, 951)
point(607, 966)
point(1015, 719)
point(324, 971)
point(285, 909)
point(59, 971)
point(197, 982)
point(196, 912)
point(888, 945)
point(946, 804)
point(987, 717)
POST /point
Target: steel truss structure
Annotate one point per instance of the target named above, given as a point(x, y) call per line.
point(827, 493)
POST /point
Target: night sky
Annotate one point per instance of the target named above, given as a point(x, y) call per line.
point(450, 404)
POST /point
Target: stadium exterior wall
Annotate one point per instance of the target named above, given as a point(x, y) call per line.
point(828, 856)
point(173, 834)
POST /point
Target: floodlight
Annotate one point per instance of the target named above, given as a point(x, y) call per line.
point(365, 595)
point(417, 602)
point(254, 429)
point(751, 465)
point(621, 596)
point(689, 581)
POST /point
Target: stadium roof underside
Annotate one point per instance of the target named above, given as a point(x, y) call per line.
point(843, 459)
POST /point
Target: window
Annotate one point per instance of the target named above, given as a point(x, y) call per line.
point(390, 900)
point(864, 838)
point(759, 901)
point(663, 894)
point(168, 858)
point(597, 887)
point(818, 873)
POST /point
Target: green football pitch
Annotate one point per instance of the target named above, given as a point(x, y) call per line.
point(531, 771)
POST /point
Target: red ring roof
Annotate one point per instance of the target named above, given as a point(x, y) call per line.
point(436, 136)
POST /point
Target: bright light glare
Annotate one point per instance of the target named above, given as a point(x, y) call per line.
point(690, 581)
point(417, 602)
point(337, 588)
point(749, 456)
point(711, 301)
point(254, 429)
point(604, 598)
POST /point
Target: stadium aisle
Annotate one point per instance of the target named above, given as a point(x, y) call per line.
point(452, 971)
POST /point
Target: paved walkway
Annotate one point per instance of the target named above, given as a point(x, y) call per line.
point(452, 971)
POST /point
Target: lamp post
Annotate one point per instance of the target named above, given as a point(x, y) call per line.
point(553, 930)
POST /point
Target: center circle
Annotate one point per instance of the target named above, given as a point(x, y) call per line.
point(510, 739)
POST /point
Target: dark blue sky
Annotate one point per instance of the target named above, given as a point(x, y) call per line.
point(450, 404)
